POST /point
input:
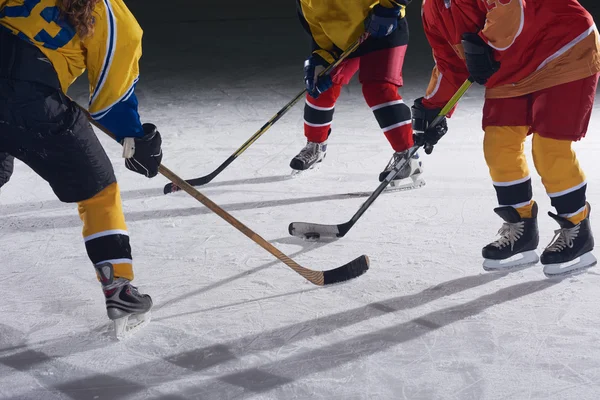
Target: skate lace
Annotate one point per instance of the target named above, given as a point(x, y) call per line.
point(563, 238)
point(396, 158)
point(309, 152)
point(509, 234)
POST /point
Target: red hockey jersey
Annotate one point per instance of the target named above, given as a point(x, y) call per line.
point(539, 44)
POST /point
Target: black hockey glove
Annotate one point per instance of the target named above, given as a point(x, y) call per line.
point(382, 21)
point(479, 58)
point(144, 154)
point(315, 84)
point(425, 135)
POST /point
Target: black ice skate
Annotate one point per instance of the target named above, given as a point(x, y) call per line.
point(125, 306)
point(409, 176)
point(309, 157)
point(570, 249)
point(519, 237)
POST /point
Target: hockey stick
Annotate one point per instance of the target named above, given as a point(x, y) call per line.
point(170, 187)
point(312, 231)
point(353, 269)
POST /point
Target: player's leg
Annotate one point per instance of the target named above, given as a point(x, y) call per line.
point(381, 77)
point(506, 128)
point(54, 138)
point(561, 115)
point(318, 117)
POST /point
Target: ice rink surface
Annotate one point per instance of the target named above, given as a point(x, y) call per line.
point(230, 321)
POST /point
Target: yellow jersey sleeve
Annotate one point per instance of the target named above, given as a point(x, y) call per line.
point(112, 56)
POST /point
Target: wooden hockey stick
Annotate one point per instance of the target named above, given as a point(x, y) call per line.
point(350, 270)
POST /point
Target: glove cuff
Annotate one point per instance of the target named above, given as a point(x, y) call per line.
point(431, 113)
point(149, 128)
point(150, 131)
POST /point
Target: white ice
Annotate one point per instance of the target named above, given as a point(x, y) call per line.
point(232, 322)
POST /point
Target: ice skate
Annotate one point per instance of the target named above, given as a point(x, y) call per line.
point(519, 238)
point(125, 306)
point(309, 158)
point(571, 248)
point(409, 176)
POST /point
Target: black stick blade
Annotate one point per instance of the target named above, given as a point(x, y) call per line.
point(203, 180)
point(170, 188)
point(309, 231)
point(351, 270)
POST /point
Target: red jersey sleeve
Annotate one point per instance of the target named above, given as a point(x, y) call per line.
point(450, 70)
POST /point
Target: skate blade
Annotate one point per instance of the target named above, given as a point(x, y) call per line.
point(520, 260)
point(572, 267)
point(298, 173)
point(128, 326)
point(405, 184)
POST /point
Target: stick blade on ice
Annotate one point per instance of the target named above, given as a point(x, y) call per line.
point(171, 187)
point(351, 270)
point(310, 231)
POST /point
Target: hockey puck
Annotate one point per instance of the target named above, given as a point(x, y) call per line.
point(312, 236)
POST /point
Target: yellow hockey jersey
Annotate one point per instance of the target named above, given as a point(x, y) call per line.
point(336, 24)
point(110, 55)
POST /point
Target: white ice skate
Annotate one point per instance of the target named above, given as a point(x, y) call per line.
point(309, 158)
point(409, 176)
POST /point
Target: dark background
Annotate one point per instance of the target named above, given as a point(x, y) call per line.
point(194, 51)
point(193, 39)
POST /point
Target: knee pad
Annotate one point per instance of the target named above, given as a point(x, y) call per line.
point(392, 115)
point(376, 93)
point(503, 148)
point(556, 163)
point(561, 175)
point(318, 114)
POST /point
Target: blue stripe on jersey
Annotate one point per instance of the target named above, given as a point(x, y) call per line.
point(23, 10)
point(109, 51)
point(122, 119)
point(64, 36)
point(101, 113)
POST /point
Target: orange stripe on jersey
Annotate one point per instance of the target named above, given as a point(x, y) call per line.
point(577, 62)
point(434, 83)
point(504, 22)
